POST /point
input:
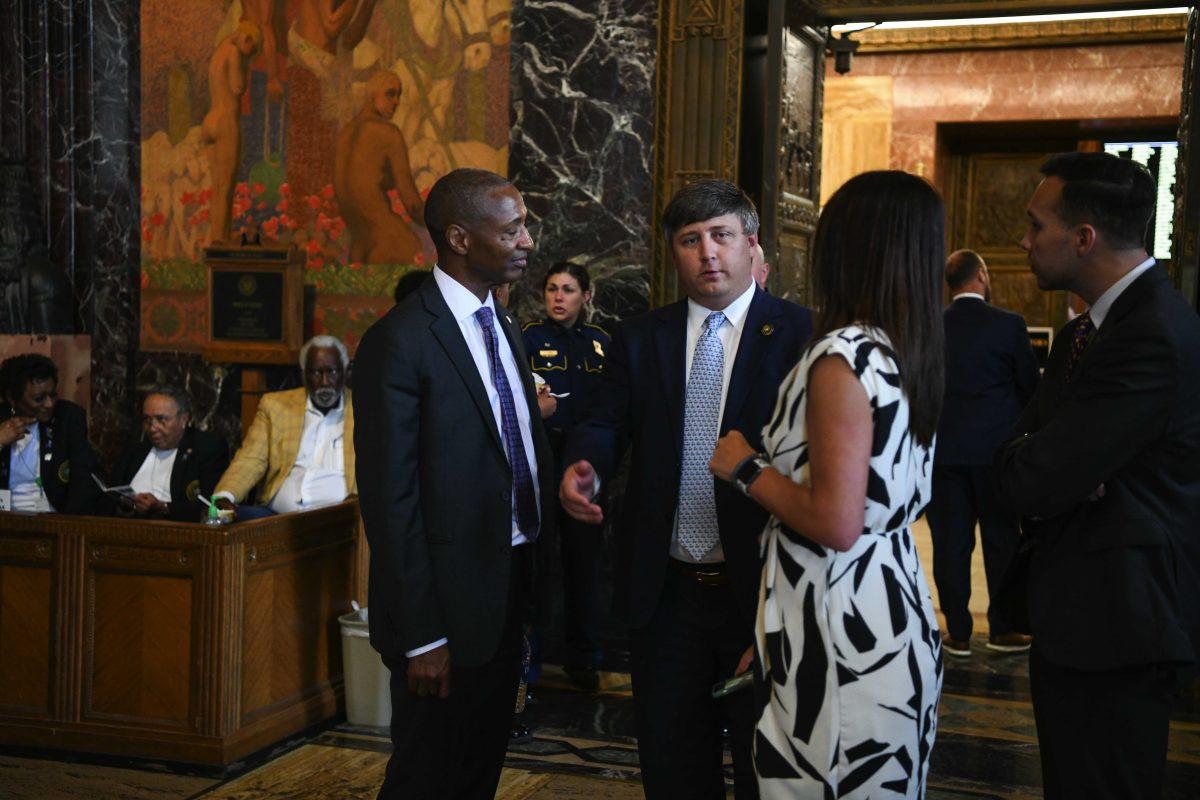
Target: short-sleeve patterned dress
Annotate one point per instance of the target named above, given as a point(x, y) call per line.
point(849, 649)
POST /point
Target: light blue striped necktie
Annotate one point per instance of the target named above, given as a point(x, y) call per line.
point(698, 531)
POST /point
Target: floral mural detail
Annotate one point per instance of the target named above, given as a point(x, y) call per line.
point(447, 58)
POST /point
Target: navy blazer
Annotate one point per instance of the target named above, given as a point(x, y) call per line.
point(991, 373)
point(640, 401)
point(1115, 581)
point(201, 461)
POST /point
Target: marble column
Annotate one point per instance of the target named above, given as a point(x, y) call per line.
point(580, 147)
point(68, 96)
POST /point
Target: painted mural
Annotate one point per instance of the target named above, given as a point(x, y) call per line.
point(316, 123)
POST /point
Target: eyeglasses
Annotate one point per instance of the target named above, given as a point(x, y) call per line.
point(161, 419)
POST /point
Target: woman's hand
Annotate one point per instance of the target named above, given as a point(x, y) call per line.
point(731, 449)
point(747, 660)
point(14, 430)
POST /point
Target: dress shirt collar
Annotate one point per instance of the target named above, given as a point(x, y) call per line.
point(462, 302)
point(972, 295)
point(334, 413)
point(735, 312)
point(1099, 309)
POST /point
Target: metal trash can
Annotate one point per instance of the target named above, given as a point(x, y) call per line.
point(368, 681)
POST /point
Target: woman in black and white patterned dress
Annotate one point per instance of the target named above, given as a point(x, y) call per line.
point(849, 660)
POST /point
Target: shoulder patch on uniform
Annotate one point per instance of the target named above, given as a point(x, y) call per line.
point(64, 471)
point(193, 491)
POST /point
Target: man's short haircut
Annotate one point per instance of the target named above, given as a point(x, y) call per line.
point(325, 341)
point(1113, 195)
point(961, 268)
point(176, 393)
point(457, 198)
point(706, 199)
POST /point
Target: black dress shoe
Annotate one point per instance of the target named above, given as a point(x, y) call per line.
point(583, 678)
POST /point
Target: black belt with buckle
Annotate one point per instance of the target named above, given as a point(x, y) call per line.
point(712, 574)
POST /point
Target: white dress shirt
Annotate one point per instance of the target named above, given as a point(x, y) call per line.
point(154, 476)
point(975, 295)
point(1099, 309)
point(463, 305)
point(730, 335)
point(318, 477)
point(25, 465)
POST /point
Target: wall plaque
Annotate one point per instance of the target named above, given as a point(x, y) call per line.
point(247, 306)
point(255, 304)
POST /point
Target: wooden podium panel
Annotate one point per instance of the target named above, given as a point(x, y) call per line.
point(168, 640)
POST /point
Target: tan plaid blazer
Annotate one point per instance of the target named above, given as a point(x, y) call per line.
point(269, 449)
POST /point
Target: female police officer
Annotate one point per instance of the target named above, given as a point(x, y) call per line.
point(568, 354)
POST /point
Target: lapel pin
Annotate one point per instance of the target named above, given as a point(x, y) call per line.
point(767, 330)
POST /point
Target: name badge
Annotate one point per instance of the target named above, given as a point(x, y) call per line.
point(547, 353)
point(5, 499)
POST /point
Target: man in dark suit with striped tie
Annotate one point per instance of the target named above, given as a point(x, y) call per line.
point(455, 479)
point(1104, 472)
point(687, 565)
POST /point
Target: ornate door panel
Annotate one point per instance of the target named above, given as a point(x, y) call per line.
point(987, 196)
point(1185, 249)
point(791, 147)
point(699, 92)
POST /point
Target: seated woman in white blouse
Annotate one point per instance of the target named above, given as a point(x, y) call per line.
point(172, 465)
point(46, 461)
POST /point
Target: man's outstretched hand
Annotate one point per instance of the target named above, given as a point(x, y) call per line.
point(576, 491)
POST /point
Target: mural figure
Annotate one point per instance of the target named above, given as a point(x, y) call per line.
point(268, 15)
point(325, 33)
point(371, 159)
point(228, 74)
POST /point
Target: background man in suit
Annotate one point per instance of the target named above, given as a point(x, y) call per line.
point(687, 557)
point(299, 450)
point(1104, 470)
point(991, 373)
point(172, 464)
point(457, 482)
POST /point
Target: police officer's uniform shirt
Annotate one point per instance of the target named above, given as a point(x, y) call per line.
point(569, 360)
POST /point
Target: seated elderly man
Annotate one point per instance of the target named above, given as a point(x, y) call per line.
point(46, 461)
point(172, 465)
point(299, 450)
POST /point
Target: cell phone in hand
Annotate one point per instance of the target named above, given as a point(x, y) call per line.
point(725, 688)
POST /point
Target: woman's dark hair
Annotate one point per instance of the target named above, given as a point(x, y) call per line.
point(878, 256)
point(18, 372)
point(577, 271)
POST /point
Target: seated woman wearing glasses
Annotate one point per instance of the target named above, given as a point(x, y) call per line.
point(172, 465)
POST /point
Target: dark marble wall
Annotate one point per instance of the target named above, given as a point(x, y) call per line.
point(68, 106)
point(580, 147)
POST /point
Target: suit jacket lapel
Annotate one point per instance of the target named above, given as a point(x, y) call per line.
point(289, 446)
point(1120, 307)
point(445, 329)
point(185, 458)
point(670, 340)
point(751, 348)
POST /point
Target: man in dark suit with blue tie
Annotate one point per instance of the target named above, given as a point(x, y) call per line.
point(455, 480)
point(687, 548)
point(991, 372)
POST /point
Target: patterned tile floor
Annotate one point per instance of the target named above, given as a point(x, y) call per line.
point(583, 746)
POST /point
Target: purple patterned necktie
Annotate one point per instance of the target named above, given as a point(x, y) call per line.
point(527, 511)
point(1079, 340)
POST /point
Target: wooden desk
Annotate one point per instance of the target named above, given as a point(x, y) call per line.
point(174, 641)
